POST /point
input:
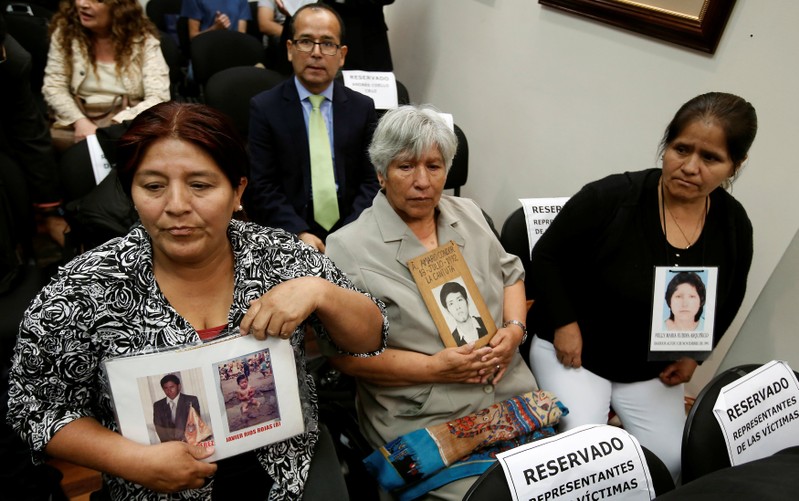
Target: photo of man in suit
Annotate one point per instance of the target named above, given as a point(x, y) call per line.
point(171, 413)
point(284, 124)
point(455, 301)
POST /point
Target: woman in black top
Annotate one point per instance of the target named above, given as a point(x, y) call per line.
point(593, 273)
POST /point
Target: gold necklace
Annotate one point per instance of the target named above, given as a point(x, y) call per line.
point(689, 241)
point(699, 223)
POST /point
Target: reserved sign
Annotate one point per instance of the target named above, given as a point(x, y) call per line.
point(759, 413)
point(589, 462)
point(381, 86)
point(538, 214)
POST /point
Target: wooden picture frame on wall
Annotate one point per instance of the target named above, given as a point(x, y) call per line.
point(697, 24)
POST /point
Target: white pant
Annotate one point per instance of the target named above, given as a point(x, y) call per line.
point(651, 411)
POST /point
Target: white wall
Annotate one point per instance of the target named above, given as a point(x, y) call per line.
point(768, 332)
point(550, 101)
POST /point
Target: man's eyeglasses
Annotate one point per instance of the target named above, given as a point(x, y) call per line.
point(307, 45)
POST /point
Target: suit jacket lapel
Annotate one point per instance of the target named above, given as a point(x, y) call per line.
point(295, 124)
point(341, 107)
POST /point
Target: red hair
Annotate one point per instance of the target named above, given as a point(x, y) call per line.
point(205, 127)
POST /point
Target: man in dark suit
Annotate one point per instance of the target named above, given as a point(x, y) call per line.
point(280, 191)
point(171, 425)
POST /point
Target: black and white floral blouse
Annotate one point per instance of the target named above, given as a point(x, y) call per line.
point(106, 303)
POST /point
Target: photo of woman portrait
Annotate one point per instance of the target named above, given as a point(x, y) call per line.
point(685, 297)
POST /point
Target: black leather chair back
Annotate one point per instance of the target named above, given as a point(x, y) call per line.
point(492, 485)
point(214, 51)
point(29, 23)
point(231, 89)
point(703, 447)
point(513, 237)
point(459, 172)
point(159, 10)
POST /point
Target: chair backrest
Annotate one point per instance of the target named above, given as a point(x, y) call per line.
point(29, 24)
point(231, 89)
point(184, 40)
point(402, 94)
point(459, 172)
point(493, 486)
point(252, 25)
point(75, 170)
point(31, 8)
point(164, 14)
point(490, 486)
point(661, 476)
point(703, 447)
point(217, 50)
point(513, 238)
point(172, 56)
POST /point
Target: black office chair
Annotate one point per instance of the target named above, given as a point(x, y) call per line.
point(164, 14)
point(96, 213)
point(661, 476)
point(174, 59)
point(703, 447)
point(772, 478)
point(184, 40)
point(402, 94)
point(336, 399)
point(252, 25)
point(28, 23)
point(231, 89)
point(513, 238)
point(492, 485)
point(214, 51)
point(459, 172)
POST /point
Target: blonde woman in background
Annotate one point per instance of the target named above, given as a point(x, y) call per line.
point(104, 66)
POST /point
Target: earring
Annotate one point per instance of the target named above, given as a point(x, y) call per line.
point(240, 208)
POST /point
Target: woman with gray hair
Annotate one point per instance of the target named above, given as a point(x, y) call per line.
point(418, 382)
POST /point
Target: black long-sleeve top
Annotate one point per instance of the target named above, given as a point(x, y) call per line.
point(595, 265)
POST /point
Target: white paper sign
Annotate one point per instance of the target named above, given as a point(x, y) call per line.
point(100, 165)
point(539, 213)
point(381, 86)
point(759, 413)
point(588, 462)
point(448, 119)
point(684, 308)
point(266, 410)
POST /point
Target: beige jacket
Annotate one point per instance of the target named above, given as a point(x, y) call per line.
point(146, 79)
point(374, 251)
